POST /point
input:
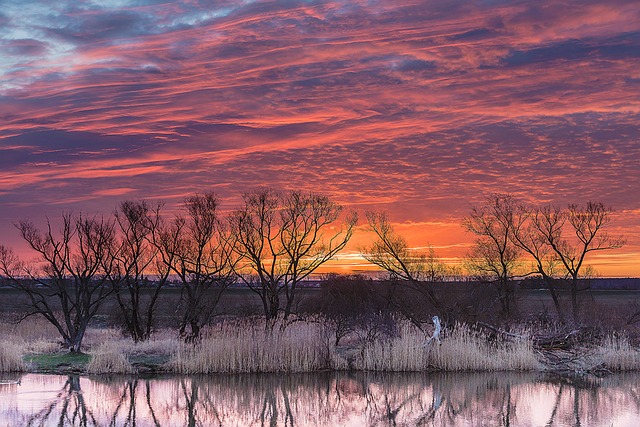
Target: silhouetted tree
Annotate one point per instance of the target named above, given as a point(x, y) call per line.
point(135, 259)
point(528, 238)
point(198, 249)
point(70, 282)
point(495, 256)
point(281, 241)
point(573, 233)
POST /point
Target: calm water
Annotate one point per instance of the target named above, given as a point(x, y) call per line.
point(335, 399)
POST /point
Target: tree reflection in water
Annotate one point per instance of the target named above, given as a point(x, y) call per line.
point(371, 399)
point(67, 408)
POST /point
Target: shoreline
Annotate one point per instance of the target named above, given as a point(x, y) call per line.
point(564, 366)
point(245, 346)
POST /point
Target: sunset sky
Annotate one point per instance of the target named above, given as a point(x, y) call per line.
point(419, 108)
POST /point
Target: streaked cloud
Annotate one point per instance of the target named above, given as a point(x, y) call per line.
point(416, 107)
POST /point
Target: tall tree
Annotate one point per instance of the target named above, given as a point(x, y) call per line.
point(135, 259)
point(281, 241)
point(198, 249)
point(527, 237)
point(495, 256)
point(572, 234)
point(70, 282)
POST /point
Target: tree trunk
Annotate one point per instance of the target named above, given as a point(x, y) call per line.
point(274, 306)
point(554, 296)
point(574, 299)
point(76, 341)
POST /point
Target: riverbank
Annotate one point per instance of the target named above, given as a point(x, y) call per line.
point(248, 345)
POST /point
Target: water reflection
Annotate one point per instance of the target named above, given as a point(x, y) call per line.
point(340, 399)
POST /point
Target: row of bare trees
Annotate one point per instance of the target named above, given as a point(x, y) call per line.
point(514, 240)
point(272, 242)
point(547, 241)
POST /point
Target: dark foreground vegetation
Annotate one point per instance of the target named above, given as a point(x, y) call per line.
point(225, 284)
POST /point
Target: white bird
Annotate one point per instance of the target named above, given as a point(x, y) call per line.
point(436, 333)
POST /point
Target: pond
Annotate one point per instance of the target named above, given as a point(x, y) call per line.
point(321, 399)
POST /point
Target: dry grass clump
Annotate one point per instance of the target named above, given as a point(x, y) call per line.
point(109, 359)
point(466, 350)
point(160, 344)
point(96, 337)
point(11, 357)
point(404, 352)
point(616, 354)
point(114, 354)
point(252, 346)
point(461, 350)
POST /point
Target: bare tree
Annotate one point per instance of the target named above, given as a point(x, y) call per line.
point(281, 241)
point(586, 233)
point(528, 238)
point(135, 258)
point(71, 282)
point(198, 249)
point(495, 256)
point(391, 252)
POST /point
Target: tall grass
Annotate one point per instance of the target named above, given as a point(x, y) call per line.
point(252, 346)
point(248, 345)
point(616, 354)
point(115, 353)
point(109, 360)
point(11, 358)
point(461, 350)
point(245, 346)
point(404, 352)
point(468, 350)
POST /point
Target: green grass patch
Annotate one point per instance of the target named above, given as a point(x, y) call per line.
point(58, 361)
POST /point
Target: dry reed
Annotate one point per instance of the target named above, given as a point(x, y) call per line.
point(468, 350)
point(404, 352)
point(11, 358)
point(109, 360)
point(244, 346)
point(251, 346)
point(616, 354)
point(461, 350)
point(248, 345)
point(114, 354)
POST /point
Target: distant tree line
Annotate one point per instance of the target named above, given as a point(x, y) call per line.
point(271, 243)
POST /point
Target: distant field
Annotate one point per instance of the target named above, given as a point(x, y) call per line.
point(245, 302)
